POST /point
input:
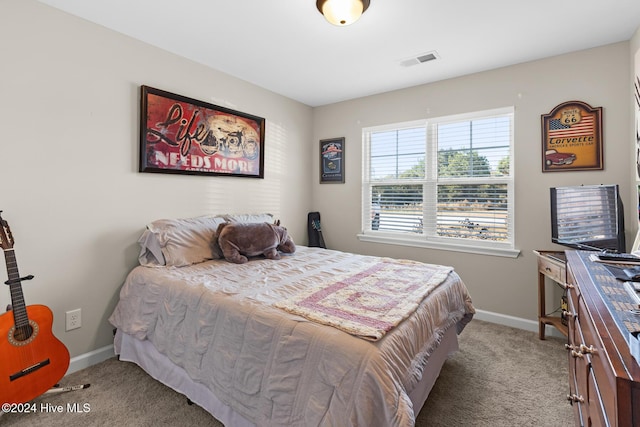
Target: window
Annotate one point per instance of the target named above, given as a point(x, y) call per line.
point(444, 182)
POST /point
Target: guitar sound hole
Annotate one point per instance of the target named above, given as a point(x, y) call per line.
point(23, 333)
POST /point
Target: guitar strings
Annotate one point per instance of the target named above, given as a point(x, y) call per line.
point(25, 331)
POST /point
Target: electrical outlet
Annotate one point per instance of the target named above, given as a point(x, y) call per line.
point(74, 319)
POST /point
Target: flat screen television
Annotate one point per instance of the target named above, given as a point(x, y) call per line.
point(588, 217)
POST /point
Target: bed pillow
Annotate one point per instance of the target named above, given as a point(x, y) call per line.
point(252, 218)
point(150, 250)
point(179, 242)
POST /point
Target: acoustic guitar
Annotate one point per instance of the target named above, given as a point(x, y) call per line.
point(32, 359)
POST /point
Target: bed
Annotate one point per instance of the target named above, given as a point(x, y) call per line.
point(319, 337)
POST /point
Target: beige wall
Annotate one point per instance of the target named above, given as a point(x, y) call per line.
point(69, 186)
point(635, 44)
point(507, 286)
point(69, 101)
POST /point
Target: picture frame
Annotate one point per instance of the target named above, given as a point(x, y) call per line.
point(572, 138)
point(181, 135)
point(332, 161)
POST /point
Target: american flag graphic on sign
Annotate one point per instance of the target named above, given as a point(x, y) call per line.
point(559, 130)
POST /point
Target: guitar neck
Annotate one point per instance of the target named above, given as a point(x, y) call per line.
point(19, 308)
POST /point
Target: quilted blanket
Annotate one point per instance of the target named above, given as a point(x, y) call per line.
point(369, 303)
point(218, 322)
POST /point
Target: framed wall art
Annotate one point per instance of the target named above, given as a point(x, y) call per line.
point(572, 138)
point(332, 161)
point(186, 136)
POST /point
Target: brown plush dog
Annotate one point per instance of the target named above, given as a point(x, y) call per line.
point(237, 241)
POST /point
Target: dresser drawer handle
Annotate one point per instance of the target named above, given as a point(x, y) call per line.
point(585, 349)
point(575, 398)
point(576, 354)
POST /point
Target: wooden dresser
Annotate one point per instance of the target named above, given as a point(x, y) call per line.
point(603, 375)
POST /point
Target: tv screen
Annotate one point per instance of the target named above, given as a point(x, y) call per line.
point(588, 217)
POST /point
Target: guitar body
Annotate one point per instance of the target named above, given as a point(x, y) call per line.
point(31, 366)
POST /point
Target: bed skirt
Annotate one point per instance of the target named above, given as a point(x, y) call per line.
point(158, 366)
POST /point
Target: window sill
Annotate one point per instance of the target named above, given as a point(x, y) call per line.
point(446, 246)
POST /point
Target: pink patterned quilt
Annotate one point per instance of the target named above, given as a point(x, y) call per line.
point(370, 303)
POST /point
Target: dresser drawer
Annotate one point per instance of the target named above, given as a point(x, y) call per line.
point(552, 270)
point(596, 415)
point(602, 388)
point(573, 321)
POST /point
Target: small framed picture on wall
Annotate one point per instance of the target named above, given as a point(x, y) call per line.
point(332, 161)
point(572, 138)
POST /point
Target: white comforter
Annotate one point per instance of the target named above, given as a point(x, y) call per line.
point(217, 321)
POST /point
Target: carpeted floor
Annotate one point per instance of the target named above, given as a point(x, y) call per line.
point(500, 377)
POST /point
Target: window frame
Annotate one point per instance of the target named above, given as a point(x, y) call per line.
point(430, 183)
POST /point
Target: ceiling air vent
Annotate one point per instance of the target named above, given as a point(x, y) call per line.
point(426, 58)
point(420, 59)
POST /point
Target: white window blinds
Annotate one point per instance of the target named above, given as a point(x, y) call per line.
point(443, 179)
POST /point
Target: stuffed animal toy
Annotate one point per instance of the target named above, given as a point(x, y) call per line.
point(237, 241)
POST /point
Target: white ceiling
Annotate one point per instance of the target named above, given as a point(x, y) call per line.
point(286, 46)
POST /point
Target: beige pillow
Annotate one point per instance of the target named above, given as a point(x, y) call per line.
point(262, 217)
point(179, 242)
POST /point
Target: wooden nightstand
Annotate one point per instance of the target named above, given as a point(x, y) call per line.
point(551, 264)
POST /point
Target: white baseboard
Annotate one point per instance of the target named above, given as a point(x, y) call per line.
point(91, 358)
point(515, 322)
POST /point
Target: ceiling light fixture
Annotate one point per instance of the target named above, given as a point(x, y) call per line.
point(342, 12)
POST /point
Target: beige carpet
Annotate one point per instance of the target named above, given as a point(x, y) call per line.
point(500, 377)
